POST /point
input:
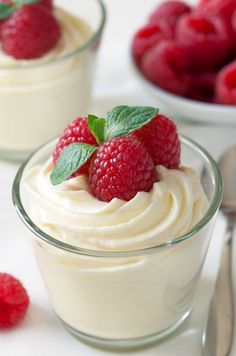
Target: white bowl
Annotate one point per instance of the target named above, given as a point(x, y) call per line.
point(184, 108)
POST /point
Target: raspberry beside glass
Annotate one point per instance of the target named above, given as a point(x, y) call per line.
point(115, 269)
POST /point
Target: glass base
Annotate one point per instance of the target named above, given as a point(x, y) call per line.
point(123, 344)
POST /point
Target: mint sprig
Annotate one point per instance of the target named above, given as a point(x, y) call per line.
point(71, 159)
point(96, 126)
point(7, 9)
point(122, 120)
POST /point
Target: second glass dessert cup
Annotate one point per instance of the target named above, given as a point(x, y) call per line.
point(124, 298)
point(39, 97)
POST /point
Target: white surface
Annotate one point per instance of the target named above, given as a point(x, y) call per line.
point(41, 334)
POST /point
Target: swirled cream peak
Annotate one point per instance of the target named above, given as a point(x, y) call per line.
point(70, 213)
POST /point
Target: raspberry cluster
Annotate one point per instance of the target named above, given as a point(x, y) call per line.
point(123, 164)
point(190, 52)
point(28, 29)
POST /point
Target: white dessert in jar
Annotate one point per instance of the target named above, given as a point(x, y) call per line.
point(120, 297)
point(38, 97)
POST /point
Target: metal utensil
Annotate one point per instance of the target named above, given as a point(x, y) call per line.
point(219, 329)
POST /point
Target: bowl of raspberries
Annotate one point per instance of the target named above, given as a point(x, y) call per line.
point(186, 57)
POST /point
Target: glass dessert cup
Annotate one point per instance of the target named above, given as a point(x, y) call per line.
point(124, 299)
point(39, 97)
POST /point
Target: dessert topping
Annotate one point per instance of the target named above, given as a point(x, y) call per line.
point(121, 168)
point(161, 139)
point(121, 121)
point(76, 131)
point(28, 29)
point(119, 153)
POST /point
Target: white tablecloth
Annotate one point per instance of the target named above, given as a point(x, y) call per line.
point(41, 334)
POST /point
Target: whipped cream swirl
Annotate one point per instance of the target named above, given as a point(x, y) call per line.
point(71, 214)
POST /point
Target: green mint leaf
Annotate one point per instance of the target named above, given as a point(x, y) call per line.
point(96, 127)
point(24, 2)
point(71, 159)
point(5, 11)
point(122, 120)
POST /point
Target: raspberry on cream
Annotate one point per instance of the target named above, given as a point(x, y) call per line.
point(72, 214)
point(121, 270)
point(29, 32)
point(38, 97)
point(134, 296)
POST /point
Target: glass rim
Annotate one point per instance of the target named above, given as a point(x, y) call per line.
point(77, 50)
point(16, 197)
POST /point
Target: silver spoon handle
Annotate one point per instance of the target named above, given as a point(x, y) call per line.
point(218, 333)
point(225, 302)
point(233, 281)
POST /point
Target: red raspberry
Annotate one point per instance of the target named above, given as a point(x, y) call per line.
point(47, 4)
point(30, 32)
point(226, 84)
point(234, 20)
point(202, 87)
point(207, 40)
point(234, 31)
point(76, 131)
point(166, 65)
point(169, 13)
point(146, 38)
point(14, 301)
point(223, 8)
point(161, 139)
point(121, 168)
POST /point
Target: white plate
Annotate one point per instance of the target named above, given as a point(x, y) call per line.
point(184, 108)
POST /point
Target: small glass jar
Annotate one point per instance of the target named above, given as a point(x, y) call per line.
point(130, 298)
point(39, 97)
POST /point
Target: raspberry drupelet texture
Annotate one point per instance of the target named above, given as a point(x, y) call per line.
point(14, 301)
point(76, 131)
point(206, 40)
point(169, 13)
point(121, 168)
point(161, 139)
point(167, 66)
point(30, 32)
